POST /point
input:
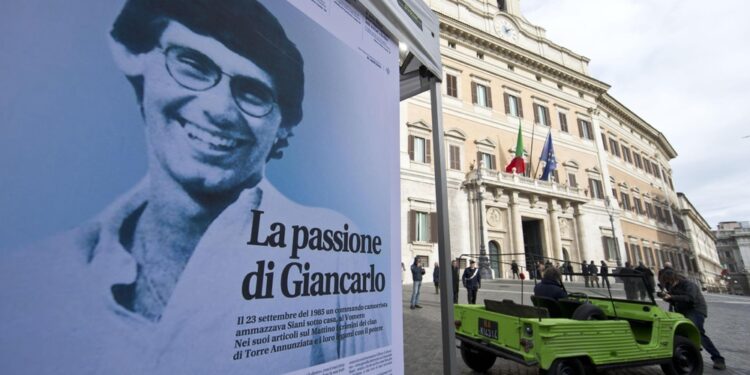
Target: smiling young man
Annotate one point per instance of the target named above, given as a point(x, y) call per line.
point(153, 284)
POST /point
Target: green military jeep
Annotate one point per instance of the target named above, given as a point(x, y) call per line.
point(592, 329)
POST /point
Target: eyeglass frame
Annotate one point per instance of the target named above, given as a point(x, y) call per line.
point(271, 104)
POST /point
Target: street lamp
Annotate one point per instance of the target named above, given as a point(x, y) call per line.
point(484, 269)
point(611, 212)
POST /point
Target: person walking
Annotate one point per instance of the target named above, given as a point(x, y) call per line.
point(594, 272)
point(514, 269)
point(472, 282)
point(686, 298)
point(436, 277)
point(604, 272)
point(585, 272)
point(416, 275)
point(454, 267)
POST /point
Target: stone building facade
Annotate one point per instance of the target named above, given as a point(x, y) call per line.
point(612, 197)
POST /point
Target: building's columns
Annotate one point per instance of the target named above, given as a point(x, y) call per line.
point(555, 229)
point(580, 230)
point(516, 229)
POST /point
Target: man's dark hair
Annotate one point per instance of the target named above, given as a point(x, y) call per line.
point(552, 274)
point(669, 275)
point(244, 26)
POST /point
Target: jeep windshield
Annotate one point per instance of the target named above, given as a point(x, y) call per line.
point(623, 286)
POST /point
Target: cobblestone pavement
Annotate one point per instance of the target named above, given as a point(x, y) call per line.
point(728, 325)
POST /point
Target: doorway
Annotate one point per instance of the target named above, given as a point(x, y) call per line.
point(495, 259)
point(532, 242)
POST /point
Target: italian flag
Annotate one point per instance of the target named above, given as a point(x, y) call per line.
point(517, 161)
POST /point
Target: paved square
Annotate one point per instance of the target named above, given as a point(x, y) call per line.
point(728, 325)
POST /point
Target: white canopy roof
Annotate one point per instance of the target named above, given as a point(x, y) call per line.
point(414, 24)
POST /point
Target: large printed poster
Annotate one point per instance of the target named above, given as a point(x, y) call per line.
point(198, 187)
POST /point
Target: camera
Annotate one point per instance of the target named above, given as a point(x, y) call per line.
point(660, 294)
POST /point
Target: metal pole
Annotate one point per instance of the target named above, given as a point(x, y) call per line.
point(444, 251)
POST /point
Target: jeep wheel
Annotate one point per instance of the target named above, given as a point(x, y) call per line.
point(565, 366)
point(477, 359)
point(686, 358)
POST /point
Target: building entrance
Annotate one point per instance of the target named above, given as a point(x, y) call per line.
point(495, 259)
point(532, 243)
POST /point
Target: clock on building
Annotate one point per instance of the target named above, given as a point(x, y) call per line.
point(505, 29)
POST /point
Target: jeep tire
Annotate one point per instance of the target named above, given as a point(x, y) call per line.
point(565, 366)
point(686, 358)
point(476, 358)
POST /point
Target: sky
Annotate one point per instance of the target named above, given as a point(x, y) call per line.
point(684, 67)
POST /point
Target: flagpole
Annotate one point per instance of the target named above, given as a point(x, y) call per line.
point(531, 151)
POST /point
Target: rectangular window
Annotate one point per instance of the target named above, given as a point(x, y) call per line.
point(419, 149)
point(422, 226)
point(541, 114)
point(423, 260)
point(638, 206)
point(647, 165)
point(563, 121)
point(481, 95)
point(655, 169)
point(595, 186)
point(455, 157)
point(659, 215)
point(584, 129)
point(649, 210)
point(572, 180)
point(604, 142)
point(637, 159)
point(513, 105)
point(555, 176)
point(668, 216)
point(488, 160)
point(625, 202)
point(671, 185)
point(609, 248)
point(626, 155)
point(639, 257)
point(614, 147)
point(649, 256)
point(451, 85)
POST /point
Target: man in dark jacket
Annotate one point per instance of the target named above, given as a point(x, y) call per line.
point(585, 272)
point(630, 282)
point(416, 275)
point(550, 285)
point(594, 272)
point(454, 269)
point(472, 281)
point(687, 299)
point(604, 271)
point(514, 269)
point(648, 278)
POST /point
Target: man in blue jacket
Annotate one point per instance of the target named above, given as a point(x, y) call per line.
point(472, 281)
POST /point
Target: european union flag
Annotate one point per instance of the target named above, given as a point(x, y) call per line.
point(548, 155)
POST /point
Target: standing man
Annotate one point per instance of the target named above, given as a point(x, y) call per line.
point(585, 272)
point(416, 275)
point(648, 280)
point(436, 277)
point(629, 280)
point(454, 268)
point(594, 272)
point(604, 271)
point(472, 281)
point(667, 266)
point(514, 269)
point(687, 299)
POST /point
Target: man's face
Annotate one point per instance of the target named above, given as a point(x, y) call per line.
point(202, 139)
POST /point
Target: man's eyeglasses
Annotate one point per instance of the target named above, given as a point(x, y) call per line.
point(195, 71)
